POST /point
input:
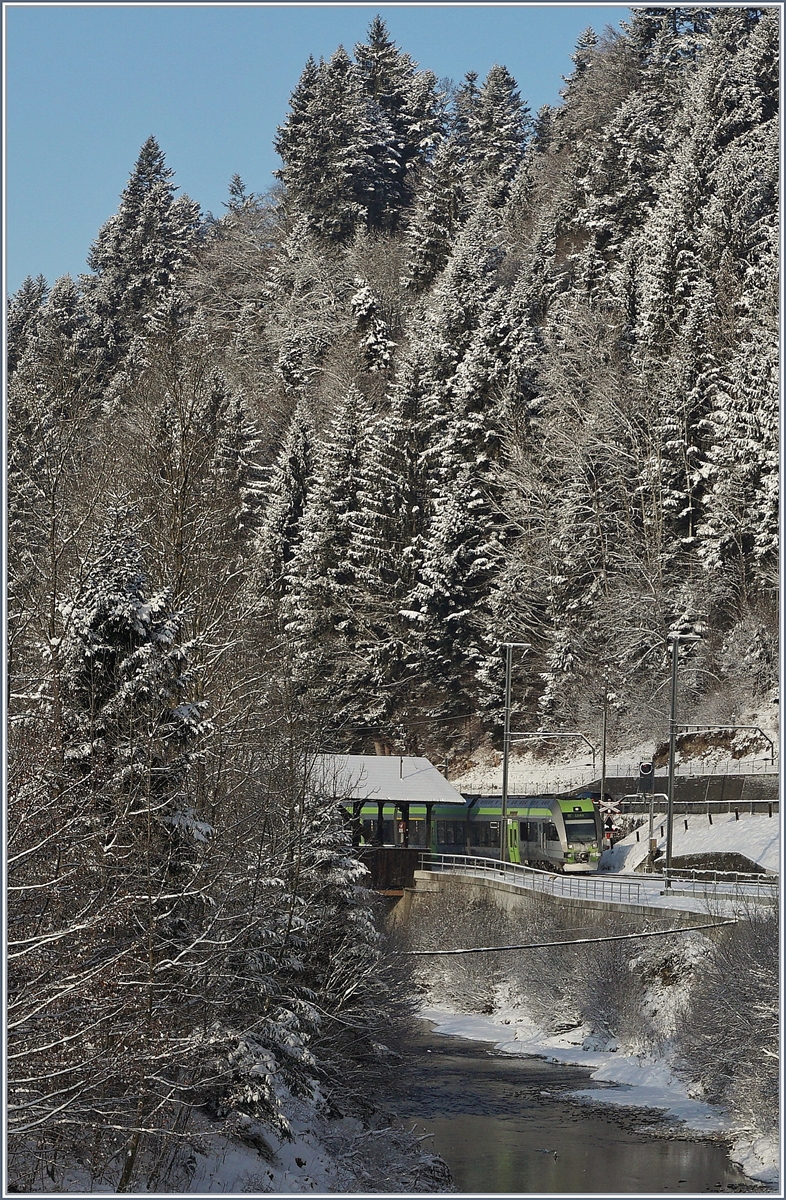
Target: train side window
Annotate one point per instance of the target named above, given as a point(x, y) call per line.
point(550, 832)
point(450, 833)
point(417, 833)
point(484, 833)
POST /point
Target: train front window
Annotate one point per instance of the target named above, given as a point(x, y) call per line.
point(580, 833)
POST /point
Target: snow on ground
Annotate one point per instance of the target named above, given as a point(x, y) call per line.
point(240, 1155)
point(529, 775)
point(234, 1164)
point(324, 1156)
point(755, 836)
point(642, 1082)
point(570, 764)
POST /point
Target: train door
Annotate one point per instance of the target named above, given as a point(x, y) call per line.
point(550, 844)
point(514, 854)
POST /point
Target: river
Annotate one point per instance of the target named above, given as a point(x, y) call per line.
point(505, 1124)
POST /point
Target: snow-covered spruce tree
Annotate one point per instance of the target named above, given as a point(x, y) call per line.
point(619, 187)
point(324, 610)
point(339, 152)
point(736, 87)
point(703, 239)
point(448, 605)
point(384, 552)
point(497, 128)
point(140, 254)
point(663, 43)
point(281, 527)
point(459, 432)
point(678, 250)
point(111, 954)
point(412, 106)
point(375, 342)
point(24, 309)
point(460, 297)
point(435, 217)
point(465, 99)
point(738, 538)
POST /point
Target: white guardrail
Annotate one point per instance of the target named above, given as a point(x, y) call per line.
point(585, 887)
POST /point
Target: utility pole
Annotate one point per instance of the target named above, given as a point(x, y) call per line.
point(675, 639)
point(503, 831)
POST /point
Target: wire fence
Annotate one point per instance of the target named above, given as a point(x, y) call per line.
point(563, 780)
point(585, 887)
point(696, 767)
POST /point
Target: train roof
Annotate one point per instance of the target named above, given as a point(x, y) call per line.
point(388, 778)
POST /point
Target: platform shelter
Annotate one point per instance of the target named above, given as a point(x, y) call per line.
point(391, 798)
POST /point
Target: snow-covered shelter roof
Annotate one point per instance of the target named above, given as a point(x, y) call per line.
point(395, 778)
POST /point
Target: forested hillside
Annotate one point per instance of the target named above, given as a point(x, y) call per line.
point(281, 480)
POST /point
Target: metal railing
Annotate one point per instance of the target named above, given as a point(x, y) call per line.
point(636, 804)
point(735, 885)
point(584, 887)
point(697, 767)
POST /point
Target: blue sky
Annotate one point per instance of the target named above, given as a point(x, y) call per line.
point(87, 84)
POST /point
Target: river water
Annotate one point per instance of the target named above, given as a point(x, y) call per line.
point(505, 1124)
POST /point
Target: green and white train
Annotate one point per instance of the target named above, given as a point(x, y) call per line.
point(554, 832)
point(562, 833)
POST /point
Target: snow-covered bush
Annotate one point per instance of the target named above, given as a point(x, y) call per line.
point(728, 1039)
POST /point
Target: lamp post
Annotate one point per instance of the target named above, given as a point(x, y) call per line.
point(503, 824)
point(675, 639)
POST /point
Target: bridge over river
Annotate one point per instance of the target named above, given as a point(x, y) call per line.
point(685, 894)
point(404, 873)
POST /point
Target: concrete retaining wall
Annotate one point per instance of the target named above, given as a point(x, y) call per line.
point(695, 790)
point(512, 899)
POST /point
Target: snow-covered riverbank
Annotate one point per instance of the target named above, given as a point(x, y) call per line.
point(642, 1081)
point(241, 1155)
